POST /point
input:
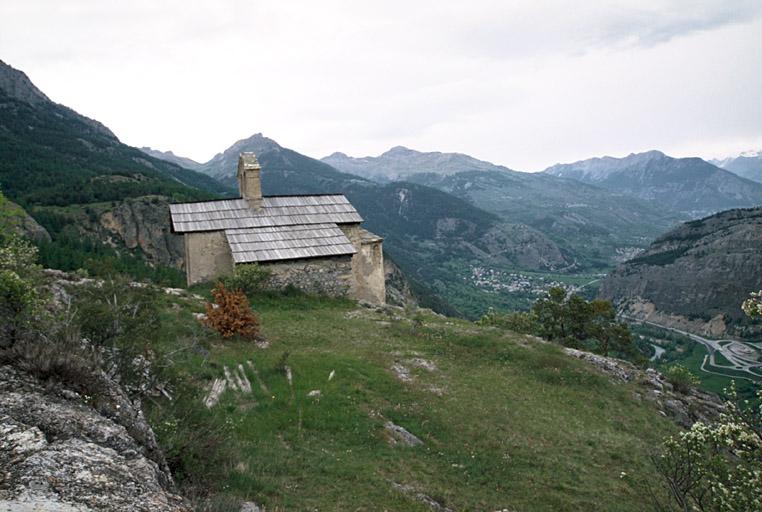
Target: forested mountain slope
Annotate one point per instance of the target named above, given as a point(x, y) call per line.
point(51, 155)
point(75, 177)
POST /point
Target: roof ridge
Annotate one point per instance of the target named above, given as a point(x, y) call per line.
point(263, 197)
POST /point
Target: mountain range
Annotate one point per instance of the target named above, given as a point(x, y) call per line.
point(594, 226)
point(575, 217)
point(689, 186)
point(96, 195)
point(401, 163)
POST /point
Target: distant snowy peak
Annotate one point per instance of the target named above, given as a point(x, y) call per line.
point(747, 164)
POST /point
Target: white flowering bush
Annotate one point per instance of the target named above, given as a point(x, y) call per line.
point(753, 305)
point(716, 467)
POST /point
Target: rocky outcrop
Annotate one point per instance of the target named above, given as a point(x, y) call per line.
point(143, 223)
point(684, 408)
point(397, 435)
point(32, 230)
point(696, 276)
point(60, 450)
point(398, 290)
point(21, 222)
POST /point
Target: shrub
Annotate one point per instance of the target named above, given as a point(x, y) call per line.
point(681, 378)
point(715, 467)
point(19, 276)
point(231, 314)
point(523, 322)
point(120, 319)
point(249, 278)
point(57, 352)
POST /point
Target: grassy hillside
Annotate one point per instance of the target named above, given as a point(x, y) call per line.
point(506, 421)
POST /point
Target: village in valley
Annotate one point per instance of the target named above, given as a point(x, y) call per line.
point(497, 280)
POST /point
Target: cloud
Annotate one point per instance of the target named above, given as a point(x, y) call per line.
point(529, 29)
point(522, 83)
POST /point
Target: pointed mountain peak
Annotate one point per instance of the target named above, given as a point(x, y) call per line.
point(257, 143)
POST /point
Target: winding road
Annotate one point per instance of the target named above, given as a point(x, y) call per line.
point(743, 357)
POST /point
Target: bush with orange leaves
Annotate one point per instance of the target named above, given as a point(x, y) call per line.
point(231, 314)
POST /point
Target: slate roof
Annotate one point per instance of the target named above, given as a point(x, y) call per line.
point(287, 242)
point(285, 227)
point(275, 211)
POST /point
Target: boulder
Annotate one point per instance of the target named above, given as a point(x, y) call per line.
point(63, 451)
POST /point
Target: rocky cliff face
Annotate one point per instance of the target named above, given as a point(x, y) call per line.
point(696, 276)
point(143, 223)
point(63, 451)
point(398, 290)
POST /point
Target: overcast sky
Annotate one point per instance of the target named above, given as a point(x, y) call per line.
point(523, 83)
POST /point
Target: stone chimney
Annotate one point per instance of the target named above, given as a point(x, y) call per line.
point(249, 182)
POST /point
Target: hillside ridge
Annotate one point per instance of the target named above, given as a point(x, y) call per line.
point(698, 273)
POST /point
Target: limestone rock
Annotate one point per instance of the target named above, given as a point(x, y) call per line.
point(58, 452)
point(143, 223)
point(684, 409)
point(400, 435)
point(422, 497)
point(402, 373)
point(620, 370)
